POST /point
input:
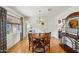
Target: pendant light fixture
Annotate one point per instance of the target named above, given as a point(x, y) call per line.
point(40, 18)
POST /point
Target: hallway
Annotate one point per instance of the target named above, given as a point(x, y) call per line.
point(22, 47)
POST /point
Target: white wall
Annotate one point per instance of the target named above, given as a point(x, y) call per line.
point(50, 25)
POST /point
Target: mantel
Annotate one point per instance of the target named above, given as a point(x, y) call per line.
point(69, 35)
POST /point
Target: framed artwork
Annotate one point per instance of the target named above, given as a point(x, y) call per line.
point(73, 23)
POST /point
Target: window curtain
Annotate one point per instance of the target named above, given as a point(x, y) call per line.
point(3, 18)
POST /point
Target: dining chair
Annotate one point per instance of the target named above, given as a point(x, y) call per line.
point(30, 40)
point(47, 41)
point(37, 44)
point(41, 43)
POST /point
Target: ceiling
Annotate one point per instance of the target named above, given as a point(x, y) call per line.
point(32, 11)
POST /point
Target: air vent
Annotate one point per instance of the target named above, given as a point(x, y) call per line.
point(49, 9)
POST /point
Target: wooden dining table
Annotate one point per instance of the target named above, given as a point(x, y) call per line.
point(39, 35)
point(39, 39)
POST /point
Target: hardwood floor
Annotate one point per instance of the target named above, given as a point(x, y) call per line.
point(22, 47)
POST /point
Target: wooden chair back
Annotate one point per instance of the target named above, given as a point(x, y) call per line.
point(30, 39)
point(30, 36)
point(47, 38)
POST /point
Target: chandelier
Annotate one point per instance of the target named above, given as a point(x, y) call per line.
point(40, 18)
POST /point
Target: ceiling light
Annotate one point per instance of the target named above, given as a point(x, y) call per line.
point(40, 18)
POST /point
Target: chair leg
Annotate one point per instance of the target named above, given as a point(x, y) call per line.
point(29, 45)
point(49, 48)
point(32, 49)
point(44, 49)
